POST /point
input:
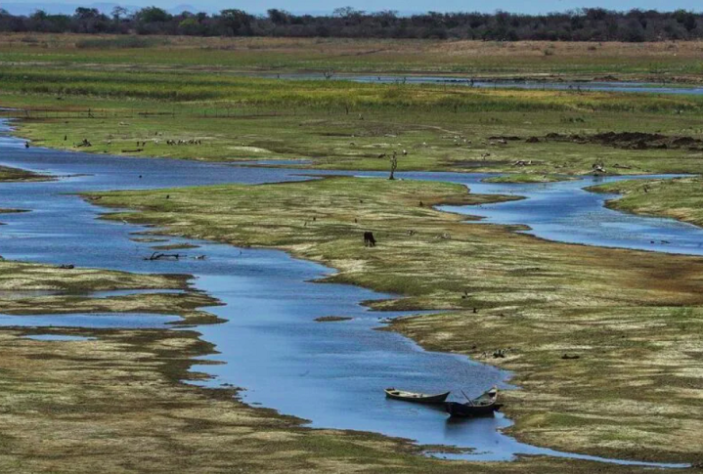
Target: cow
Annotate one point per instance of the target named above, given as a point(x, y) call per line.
point(369, 240)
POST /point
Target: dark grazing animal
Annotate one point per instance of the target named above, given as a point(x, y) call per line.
point(369, 240)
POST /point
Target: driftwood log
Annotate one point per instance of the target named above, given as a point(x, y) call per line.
point(163, 256)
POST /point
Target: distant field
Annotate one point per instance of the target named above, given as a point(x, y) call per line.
point(346, 125)
point(136, 95)
point(680, 61)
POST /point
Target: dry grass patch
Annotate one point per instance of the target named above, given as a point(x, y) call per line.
point(115, 404)
point(17, 276)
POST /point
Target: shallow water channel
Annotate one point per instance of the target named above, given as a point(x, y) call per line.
point(329, 373)
point(467, 81)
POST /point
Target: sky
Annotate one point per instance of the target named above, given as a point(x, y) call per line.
point(403, 6)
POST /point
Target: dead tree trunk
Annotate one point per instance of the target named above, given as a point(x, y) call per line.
point(394, 166)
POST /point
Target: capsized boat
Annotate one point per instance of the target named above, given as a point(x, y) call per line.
point(484, 405)
point(414, 397)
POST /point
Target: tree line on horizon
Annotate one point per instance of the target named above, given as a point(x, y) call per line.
point(589, 24)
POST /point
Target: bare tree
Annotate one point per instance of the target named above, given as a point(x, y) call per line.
point(118, 13)
point(394, 165)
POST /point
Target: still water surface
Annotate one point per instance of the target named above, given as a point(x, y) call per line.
point(575, 86)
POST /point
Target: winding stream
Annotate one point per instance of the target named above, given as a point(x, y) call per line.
point(329, 373)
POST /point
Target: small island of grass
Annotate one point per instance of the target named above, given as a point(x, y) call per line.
point(678, 198)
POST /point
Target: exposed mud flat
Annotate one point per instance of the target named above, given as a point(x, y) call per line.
point(629, 140)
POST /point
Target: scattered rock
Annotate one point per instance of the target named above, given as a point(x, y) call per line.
point(505, 138)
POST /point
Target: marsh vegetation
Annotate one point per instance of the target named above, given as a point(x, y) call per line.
point(191, 93)
point(507, 291)
point(679, 198)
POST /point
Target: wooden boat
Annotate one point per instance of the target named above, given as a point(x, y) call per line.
point(484, 405)
point(396, 394)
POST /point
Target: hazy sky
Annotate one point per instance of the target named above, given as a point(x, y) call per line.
point(404, 6)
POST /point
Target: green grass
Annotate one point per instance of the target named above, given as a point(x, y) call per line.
point(680, 198)
point(189, 86)
point(118, 97)
point(229, 89)
point(297, 120)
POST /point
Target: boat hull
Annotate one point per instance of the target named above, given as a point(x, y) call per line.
point(416, 397)
point(463, 410)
